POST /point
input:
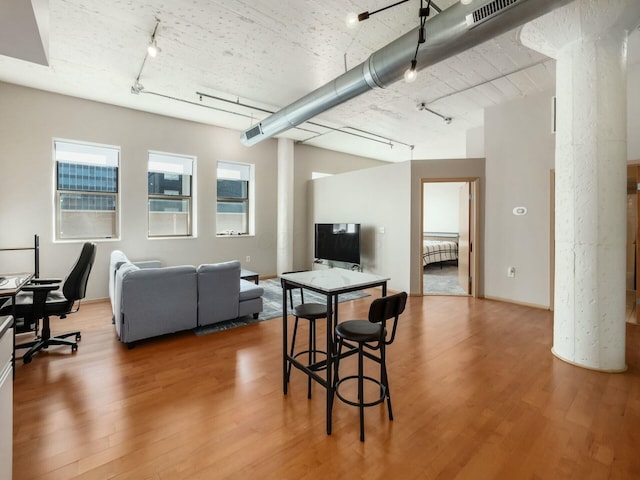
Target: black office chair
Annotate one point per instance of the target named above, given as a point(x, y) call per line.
point(42, 298)
point(372, 334)
point(311, 312)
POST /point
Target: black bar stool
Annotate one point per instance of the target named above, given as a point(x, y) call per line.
point(311, 312)
point(371, 334)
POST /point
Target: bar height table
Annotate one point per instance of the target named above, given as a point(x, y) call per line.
point(331, 283)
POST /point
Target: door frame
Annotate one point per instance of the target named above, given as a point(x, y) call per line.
point(474, 222)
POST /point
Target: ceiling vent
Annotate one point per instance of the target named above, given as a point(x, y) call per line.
point(489, 10)
point(253, 132)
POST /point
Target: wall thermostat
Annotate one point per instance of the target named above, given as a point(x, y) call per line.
point(520, 211)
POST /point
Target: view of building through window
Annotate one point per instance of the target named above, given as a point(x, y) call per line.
point(86, 190)
point(233, 198)
point(169, 180)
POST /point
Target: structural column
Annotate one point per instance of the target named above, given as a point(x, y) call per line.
point(588, 40)
point(284, 261)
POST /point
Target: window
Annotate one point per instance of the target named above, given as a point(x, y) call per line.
point(170, 201)
point(234, 199)
point(86, 190)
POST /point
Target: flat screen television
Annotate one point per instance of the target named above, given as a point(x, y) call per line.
point(339, 242)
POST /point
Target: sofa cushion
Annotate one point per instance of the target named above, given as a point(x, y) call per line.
point(249, 290)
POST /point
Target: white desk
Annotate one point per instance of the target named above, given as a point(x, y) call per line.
point(332, 283)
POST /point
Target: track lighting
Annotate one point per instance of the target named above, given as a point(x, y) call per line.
point(353, 19)
point(153, 48)
point(152, 51)
point(137, 87)
point(422, 107)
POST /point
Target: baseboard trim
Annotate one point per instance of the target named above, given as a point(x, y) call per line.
point(524, 304)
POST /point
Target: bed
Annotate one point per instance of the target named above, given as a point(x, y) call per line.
point(439, 249)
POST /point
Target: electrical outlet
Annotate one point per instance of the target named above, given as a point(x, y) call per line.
point(248, 259)
point(511, 272)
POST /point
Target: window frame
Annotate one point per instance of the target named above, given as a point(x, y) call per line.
point(171, 197)
point(58, 192)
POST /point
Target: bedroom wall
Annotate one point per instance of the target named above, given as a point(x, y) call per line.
point(520, 152)
point(441, 207)
point(307, 160)
point(379, 199)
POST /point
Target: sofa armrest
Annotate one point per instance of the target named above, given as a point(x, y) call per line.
point(148, 264)
point(218, 292)
point(156, 301)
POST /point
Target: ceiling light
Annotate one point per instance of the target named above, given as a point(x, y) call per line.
point(352, 20)
point(410, 73)
point(153, 49)
point(465, 2)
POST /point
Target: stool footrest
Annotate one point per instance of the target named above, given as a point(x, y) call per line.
point(377, 401)
point(321, 365)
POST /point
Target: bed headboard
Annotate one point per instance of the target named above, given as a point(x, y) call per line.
point(450, 236)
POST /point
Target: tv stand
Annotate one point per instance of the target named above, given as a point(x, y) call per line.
point(319, 264)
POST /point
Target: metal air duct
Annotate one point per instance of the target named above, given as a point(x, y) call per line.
point(452, 31)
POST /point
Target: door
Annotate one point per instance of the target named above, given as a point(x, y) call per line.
point(464, 244)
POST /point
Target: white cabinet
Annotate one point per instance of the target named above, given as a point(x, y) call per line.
point(6, 398)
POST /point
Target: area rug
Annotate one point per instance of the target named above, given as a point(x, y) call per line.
point(441, 281)
point(272, 306)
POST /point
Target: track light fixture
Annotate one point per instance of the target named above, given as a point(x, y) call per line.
point(152, 51)
point(136, 88)
point(153, 48)
point(353, 19)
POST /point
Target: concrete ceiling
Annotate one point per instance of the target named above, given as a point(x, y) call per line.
point(267, 54)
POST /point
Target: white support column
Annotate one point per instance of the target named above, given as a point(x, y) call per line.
point(284, 261)
point(588, 40)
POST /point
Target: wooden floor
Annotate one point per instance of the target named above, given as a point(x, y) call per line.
point(477, 395)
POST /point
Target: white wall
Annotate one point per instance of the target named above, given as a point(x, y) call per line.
point(475, 142)
point(633, 112)
point(441, 207)
point(520, 152)
point(377, 198)
point(307, 160)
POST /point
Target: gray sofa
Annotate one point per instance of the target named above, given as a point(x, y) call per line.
point(148, 300)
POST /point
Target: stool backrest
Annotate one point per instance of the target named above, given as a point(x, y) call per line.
point(386, 308)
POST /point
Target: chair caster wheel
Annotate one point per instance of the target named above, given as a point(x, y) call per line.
point(26, 360)
point(74, 348)
point(78, 337)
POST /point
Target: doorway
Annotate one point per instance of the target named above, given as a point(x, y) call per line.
point(448, 236)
